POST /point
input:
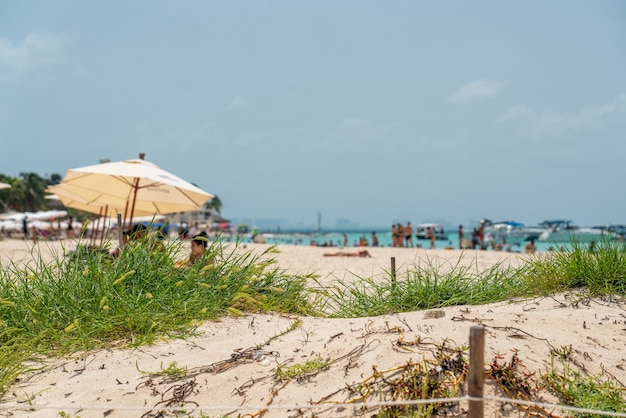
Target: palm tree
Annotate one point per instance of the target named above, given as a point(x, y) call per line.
point(13, 198)
point(34, 189)
point(214, 204)
point(27, 192)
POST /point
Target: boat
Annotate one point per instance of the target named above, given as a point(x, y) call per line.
point(618, 229)
point(562, 230)
point(510, 232)
point(421, 231)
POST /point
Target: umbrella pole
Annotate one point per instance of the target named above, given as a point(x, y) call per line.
point(104, 217)
point(132, 210)
point(120, 231)
point(94, 224)
point(123, 225)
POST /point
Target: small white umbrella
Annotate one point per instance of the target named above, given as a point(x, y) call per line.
point(143, 186)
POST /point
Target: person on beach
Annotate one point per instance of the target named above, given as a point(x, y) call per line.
point(198, 248)
point(130, 237)
point(408, 235)
point(460, 237)
point(474, 238)
point(193, 230)
point(25, 227)
point(374, 239)
point(530, 247)
point(70, 227)
point(362, 253)
point(397, 234)
point(481, 235)
point(432, 236)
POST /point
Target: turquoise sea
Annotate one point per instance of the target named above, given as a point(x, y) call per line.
point(336, 238)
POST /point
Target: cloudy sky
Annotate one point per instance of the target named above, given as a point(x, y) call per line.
point(376, 112)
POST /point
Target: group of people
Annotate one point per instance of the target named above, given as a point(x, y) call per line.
point(139, 232)
point(477, 240)
point(402, 235)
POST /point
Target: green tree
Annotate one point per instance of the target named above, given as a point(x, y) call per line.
point(55, 178)
point(12, 198)
point(214, 205)
point(34, 189)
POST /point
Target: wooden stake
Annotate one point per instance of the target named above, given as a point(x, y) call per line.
point(120, 231)
point(476, 378)
point(393, 272)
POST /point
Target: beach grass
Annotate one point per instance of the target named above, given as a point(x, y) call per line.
point(577, 389)
point(597, 272)
point(425, 287)
point(86, 299)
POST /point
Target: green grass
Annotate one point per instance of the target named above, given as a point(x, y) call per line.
point(582, 391)
point(601, 271)
point(425, 287)
point(88, 300)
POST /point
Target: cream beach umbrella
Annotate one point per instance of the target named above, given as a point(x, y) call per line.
point(4, 186)
point(141, 185)
point(76, 198)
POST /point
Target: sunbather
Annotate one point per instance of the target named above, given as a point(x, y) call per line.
point(362, 253)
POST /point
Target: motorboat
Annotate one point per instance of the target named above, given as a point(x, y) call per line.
point(562, 230)
point(421, 231)
point(510, 232)
point(618, 229)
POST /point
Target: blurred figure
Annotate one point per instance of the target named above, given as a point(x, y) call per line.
point(408, 235)
point(198, 247)
point(374, 239)
point(433, 236)
point(530, 247)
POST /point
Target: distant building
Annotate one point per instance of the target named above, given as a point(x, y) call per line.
point(204, 218)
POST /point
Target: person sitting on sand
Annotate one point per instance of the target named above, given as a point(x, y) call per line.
point(530, 247)
point(130, 237)
point(362, 253)
point(198, 248)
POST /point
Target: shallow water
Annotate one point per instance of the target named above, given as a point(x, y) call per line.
point(336, 239)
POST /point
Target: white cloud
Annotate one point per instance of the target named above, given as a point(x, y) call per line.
point(476, 90)
point(37, 51)
point(237, 103)
point(556, 124)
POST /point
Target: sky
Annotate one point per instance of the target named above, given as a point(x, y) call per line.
point(367, 111)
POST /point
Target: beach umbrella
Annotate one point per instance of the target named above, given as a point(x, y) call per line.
point(74, 197)
point(141, 185)
point(4, 186)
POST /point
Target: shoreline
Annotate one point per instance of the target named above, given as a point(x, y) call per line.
point(301, 259)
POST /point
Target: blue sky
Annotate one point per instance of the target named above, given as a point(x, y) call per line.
point(376, 112)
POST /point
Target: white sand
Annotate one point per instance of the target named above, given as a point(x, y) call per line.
point(110, 383)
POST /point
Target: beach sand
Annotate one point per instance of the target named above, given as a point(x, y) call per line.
point(231, 363)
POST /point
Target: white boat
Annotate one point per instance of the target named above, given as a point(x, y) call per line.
point(510, 232)
point(421, 231)
point(562, 230)
point(618, 229)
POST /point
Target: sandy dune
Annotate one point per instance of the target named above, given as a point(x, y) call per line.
point(231, 365)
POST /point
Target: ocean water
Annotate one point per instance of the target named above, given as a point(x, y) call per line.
point(336, 238)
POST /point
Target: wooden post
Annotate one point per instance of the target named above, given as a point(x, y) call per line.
point(120, 231)
point(476, 378)
point(393, 272)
